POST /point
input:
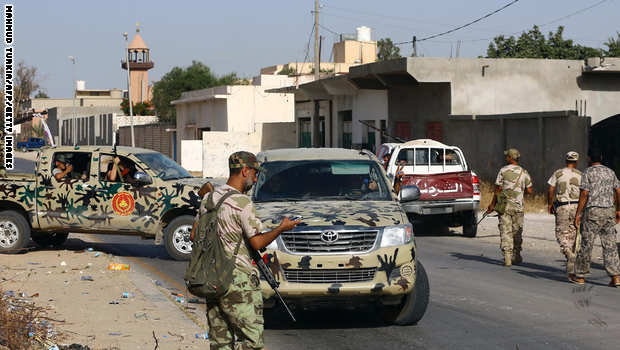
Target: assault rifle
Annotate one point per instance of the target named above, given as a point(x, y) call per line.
point(383, 132)
point(268, 276)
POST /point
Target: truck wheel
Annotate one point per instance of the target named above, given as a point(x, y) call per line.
point(46, 239)
point(470, 224)
point(176, 237)
point(14, 231)
point(414, 305)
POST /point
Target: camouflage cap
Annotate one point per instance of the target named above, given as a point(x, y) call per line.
point(62, 158)
point(243, 158)
point(572, 156)
point(512, 153)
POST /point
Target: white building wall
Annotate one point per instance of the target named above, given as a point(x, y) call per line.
point(218, 146)
point(368, 105)
point(191, 157)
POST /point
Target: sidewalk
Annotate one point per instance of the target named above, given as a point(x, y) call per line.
point(94, 313)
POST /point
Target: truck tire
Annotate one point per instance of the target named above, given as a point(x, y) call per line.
point(176, 237)
point(470, 224)
point(414, 305)
point(14, 231)
point(46, 239)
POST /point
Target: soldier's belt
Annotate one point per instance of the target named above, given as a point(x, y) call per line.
point(559, 204)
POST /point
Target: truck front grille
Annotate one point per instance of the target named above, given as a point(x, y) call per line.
point(311, 242)
point(330, 276)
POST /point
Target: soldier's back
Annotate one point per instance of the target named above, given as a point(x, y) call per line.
point(601, 182)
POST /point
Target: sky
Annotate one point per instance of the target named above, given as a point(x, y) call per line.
point(243, 36)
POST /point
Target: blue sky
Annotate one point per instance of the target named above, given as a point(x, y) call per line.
point(244, 35)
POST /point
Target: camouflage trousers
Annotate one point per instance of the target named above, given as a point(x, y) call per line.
point(566, 232)
point(511, 230)
point(236, 319)
point(598, 222)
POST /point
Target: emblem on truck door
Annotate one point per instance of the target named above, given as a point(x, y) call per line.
point(329, 237)
point(123, 203)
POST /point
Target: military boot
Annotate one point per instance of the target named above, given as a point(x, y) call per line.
point(516, 258)
point(507, 257)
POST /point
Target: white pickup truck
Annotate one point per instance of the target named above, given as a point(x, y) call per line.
point(449, 190)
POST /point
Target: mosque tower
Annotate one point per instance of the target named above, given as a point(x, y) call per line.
point(139, 65)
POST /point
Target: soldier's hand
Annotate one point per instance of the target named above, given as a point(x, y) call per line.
point(70, 168)
point(288, 224)
point(490, 208)
point(551, 209)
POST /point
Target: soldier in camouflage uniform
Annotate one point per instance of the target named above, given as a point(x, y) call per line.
point(236, 319)
point(599, 186)
point(563, 196)
point(512, 180)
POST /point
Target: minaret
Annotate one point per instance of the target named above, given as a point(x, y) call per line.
point(139, 65)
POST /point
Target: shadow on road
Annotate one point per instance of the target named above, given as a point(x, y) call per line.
point(119, 249)
point(324, 318)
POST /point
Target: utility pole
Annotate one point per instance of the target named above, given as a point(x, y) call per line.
point(133, 144)
point(74, 87)
point(415, 49)
point(317, 63)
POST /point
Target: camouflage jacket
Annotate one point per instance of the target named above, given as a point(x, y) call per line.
point(513, 184)
point(566, 182)
point(600, 182)
point(237, 217)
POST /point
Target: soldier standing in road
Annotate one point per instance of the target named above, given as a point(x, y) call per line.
point(236, 319)
point(599, 186)
point(512, 180)
point(562, 199)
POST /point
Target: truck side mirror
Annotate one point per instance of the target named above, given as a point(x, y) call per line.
point(142, 178)
point(409, 193)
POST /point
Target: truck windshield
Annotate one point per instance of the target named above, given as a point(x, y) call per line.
point(317, 180)
point(164, 167)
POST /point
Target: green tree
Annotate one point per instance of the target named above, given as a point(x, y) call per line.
point(533, 44)
point(613, 46)
point(41, 94)
point(195, 77)
point(140, 108)
point(387, 50)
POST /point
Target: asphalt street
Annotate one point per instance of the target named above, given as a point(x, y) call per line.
point(476, 303)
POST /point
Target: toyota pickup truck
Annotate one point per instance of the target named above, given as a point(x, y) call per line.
point(155, 198)
point(354, 245)
point(450, 191)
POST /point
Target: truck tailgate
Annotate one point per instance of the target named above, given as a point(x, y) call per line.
point(444, 186)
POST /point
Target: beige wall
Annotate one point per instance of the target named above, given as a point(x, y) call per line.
point(355, 52)
point(520, 85)
point(140, 90)
point(191, 158)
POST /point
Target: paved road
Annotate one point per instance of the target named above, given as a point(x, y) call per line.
point(476, 303)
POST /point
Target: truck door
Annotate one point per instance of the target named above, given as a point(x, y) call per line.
point(125, 205)
point(66, 201)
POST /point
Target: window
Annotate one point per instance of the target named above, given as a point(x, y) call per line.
point(77, 162)
point(436, 156)
point(413, 156)
point(452, 157)
point(126, 168)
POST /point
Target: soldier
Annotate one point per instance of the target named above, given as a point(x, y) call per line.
point(512, 181)
point(599, 186)
point(236, 319)
point(62, 168)
point(563, 196)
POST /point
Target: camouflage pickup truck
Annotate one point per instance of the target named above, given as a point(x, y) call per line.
point(152, 197)
point(354, 246)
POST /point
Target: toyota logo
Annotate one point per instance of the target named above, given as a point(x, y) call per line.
point(329, 237)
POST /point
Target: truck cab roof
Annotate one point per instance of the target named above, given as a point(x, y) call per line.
point(293, 154)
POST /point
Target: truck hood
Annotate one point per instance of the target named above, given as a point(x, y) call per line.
point(329, 213)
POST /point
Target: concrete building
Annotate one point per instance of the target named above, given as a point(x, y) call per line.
point(139, 65)
point(212, 121)
point(418, 97)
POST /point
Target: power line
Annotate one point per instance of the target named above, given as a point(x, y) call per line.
point(550, 22)
point(463, 26)
point(307, 51)
point(329, 30)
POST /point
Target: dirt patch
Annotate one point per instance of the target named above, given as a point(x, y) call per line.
point(94, 306)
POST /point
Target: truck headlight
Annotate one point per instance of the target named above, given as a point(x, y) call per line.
point(396, 235)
